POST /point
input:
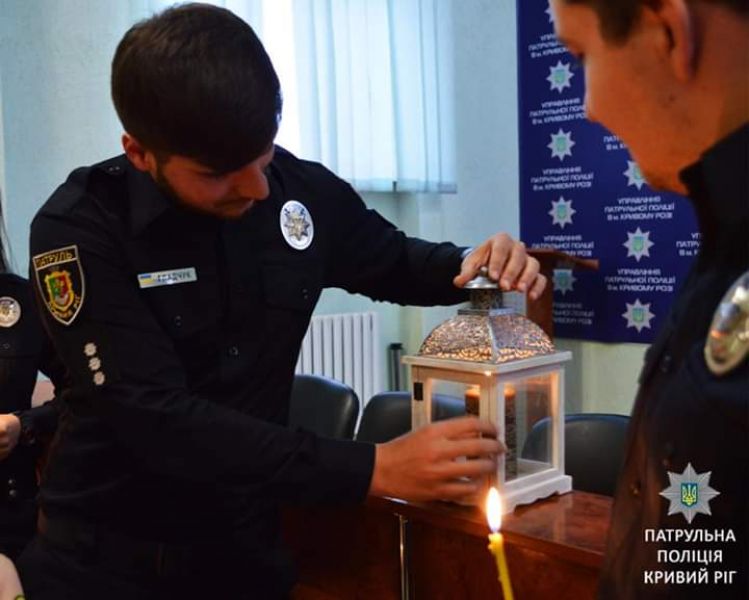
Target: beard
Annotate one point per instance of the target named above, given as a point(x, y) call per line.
point(165, 187)
point(226, 208)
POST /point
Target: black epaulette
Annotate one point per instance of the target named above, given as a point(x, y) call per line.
point(114, 167)
point(106, 181)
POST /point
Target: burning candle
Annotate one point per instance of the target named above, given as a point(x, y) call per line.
point(496, 541)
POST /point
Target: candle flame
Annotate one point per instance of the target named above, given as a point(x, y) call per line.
point(494, 510)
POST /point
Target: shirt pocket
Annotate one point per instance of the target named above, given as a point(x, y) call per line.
point(190, 315)
point(186, 311)
point(293, 286)
point(290, 291)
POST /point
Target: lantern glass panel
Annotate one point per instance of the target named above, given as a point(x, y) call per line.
point(526, 429)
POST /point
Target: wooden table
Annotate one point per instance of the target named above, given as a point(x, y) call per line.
point(554, 550)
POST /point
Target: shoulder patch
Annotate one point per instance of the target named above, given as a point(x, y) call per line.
point(727, 343)
point(59, 279)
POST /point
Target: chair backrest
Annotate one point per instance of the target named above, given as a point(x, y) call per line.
point(388, 415)
point(593, 449)
point(323, 406)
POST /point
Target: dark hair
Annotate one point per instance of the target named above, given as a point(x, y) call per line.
point(618, 17)
point(195, 80)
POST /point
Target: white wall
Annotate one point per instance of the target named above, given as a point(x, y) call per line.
point(334, 301)
point(55, 108)
point(486, 133)
point(57, 115)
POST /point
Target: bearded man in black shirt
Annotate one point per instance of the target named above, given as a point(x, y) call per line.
point(177, 282)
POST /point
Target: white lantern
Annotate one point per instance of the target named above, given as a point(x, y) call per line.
point(508, 371)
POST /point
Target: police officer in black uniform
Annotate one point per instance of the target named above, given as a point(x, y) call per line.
point(24, 351)
point(670, 79)
point(177, 283)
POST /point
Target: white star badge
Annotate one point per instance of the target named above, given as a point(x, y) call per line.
point(10, 311)
point(638, 315)
point(560, 76)
point(549, 12)
point(689, 493)
point(564, 281)
point(638, 244)
point(561, 212)
point(561, 144)
point(634, 175)
point(297, 227)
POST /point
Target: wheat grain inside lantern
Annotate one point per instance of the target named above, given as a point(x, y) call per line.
point(507, 371)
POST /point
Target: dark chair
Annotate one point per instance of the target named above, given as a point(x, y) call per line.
point(593, 449)
point(323, 406)
point(388, 415)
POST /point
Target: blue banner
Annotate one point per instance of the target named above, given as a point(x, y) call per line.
point(581, 193)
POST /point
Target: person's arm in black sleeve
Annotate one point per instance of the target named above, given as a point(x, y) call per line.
point(124, 370)
point(37, 424)
point(30, 426)
point(370, 256)
point(42, 420)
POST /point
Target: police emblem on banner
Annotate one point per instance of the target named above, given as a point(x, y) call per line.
point(297, 227)
point(59, 278)
point(10, 311)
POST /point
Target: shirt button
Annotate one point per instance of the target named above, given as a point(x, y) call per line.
point(113, 169)
point(305, 293)
point(6, 346)
point(11, 482)
point(635, 489)
point(666, 362)
point(13, 494)
point(233, 351)
point(178, 321)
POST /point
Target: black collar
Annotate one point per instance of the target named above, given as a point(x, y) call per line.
point(147, 201)
point(718, 186)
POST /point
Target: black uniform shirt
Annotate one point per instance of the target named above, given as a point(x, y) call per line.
point(24, 351)
point(684, 414)
point(180, 395)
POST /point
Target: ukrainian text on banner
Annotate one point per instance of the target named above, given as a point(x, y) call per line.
point(581, 193)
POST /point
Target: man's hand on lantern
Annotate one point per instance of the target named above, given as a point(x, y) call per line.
point(427, 464)
point(508, 263)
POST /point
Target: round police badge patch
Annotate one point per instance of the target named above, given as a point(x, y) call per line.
point(10, 311)
point(727, 343)
point(296, 225)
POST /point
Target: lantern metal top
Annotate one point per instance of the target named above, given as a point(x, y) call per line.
point(487, 332)
point(482, 281)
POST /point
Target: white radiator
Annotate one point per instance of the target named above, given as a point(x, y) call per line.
point(344, 347)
